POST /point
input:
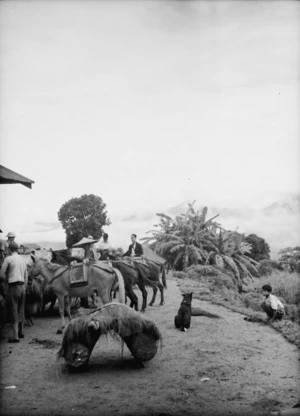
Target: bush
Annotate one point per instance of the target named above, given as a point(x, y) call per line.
point(180, 275)
point(220, 281)
point(267, 267)
point(199, 271)
point(252, 300)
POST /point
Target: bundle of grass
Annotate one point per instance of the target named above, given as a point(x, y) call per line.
point(141, 335)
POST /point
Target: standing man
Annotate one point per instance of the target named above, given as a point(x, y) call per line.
point(135, 249)
point(14, 270)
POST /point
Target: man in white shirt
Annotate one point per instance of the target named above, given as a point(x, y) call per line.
point(14, 271)
point(273, 307)
point(103, 247)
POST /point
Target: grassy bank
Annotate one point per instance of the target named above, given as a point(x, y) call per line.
point(209, 284)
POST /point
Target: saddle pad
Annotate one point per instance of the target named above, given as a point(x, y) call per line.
point(140, 261)
point(104, 265)
point(127, 263)
point(79, 276)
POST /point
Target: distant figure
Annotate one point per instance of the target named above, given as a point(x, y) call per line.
point(104, 248)
point(135, 249)
point(273, 307)
point(4, 247)
point(14, 270)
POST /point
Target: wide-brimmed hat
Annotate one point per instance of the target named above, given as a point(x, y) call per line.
point(84, 240)
point(11, 235)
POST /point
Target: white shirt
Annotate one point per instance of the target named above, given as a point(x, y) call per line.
point(274, 302)
point(14, 268)
point(101, 245)
point(133, 250)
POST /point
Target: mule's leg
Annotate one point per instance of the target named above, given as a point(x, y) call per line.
point(161, 288)
point(142, 288)
point(61, 304)
point(68, 301)
point(94, 301)
point(133, 298)
point(153, 296)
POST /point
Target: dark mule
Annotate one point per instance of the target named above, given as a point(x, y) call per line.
point(131, 277)
point(149, 275)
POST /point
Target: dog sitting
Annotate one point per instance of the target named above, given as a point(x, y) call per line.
point(183, 317)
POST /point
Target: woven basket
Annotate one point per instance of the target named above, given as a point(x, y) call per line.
point(77, 355)
point(142, 346)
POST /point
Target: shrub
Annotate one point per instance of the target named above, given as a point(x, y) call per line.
point(199, 271)
point(267, 267)
point(252, 300)
point(219, 281)
point(180, 275)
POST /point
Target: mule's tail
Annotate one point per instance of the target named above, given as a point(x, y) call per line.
point(121, 286)
point(202, 312)
point(163, 276)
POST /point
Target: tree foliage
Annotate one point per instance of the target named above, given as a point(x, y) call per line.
point(190, 239)
point(260, 249)
point(289, 259)
point(83, 216)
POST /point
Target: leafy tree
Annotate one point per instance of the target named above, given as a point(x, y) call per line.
point(231, 254)
point(190, 239)
point(290, 259)
point(260, 249)
point(183, 241)
point(81, 217)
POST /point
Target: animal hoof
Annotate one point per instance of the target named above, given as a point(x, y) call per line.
point(59, 331)
point(150, 304)
point(142, 310)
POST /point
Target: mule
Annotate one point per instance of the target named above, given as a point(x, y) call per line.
point(143, 273)
point(58, 278)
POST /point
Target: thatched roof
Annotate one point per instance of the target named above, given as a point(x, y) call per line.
point(151, 255)
point(8, 176)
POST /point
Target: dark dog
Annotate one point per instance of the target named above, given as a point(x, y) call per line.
point(183, 317)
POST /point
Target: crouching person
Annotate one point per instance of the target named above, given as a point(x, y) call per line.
point(14, 270)
point(273, 307)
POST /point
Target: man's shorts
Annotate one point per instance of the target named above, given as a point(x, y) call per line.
point(16, 303)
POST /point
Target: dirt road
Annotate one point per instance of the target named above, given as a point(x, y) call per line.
point(219, 367)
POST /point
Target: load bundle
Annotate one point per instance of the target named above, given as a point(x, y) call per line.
point(141, 335)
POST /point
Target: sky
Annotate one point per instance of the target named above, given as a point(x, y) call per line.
point(146, 104)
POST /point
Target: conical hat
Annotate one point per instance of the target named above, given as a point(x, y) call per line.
point(84, 241)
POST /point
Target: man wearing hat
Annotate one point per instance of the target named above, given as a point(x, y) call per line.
point(14, 271)
point(90, 256)
point(4, 247)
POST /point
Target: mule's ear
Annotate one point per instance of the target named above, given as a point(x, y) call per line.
point(32, 258)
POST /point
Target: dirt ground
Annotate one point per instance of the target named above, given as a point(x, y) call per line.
point(219, 367)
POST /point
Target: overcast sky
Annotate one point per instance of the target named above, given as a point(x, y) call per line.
point(147, 104)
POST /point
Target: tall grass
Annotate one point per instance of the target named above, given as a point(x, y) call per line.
point(285, 285)
point(220, 290)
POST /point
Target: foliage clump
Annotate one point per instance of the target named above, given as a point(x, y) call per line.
point(82, 217)
point(191, 239)
point(290, 259)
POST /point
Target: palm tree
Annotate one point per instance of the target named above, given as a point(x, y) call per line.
point(185, 240)
point(230, 254)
